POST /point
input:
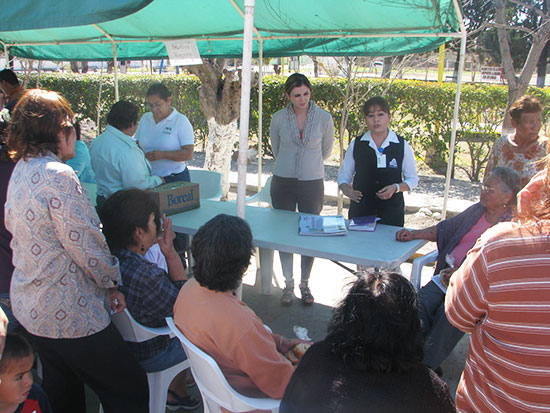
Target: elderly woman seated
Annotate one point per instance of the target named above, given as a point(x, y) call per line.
point(371, 359)
point(132, 224)
point(455, 237)
point(209, 313)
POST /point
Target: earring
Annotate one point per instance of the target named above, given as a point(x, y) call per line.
point(505, 206)
point(142, 248)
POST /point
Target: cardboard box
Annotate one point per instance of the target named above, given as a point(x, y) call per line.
point(174, 197)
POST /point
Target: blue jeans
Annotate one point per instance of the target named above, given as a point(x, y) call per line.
point(181, 176)
point(170, 356)
point(440, 337)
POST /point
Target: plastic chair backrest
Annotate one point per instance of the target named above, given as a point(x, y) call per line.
point(263, 196)
point(131, 330)
point(158, 381)
point(212, 383)
point(210, 183)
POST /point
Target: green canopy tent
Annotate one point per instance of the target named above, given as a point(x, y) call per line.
point(286, 27)
point(136, 29)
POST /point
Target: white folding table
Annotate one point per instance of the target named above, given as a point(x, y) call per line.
point(278, 230)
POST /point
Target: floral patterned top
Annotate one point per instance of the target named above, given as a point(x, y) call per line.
point(63, 266)
point(525, 164)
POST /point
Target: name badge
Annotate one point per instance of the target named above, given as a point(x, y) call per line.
point(381, 161)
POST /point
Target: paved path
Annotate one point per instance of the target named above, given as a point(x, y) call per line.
point(329, 282)
point(429, 192)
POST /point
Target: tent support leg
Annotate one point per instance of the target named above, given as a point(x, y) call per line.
point(245, 103)
point(115, 70)
point(260, 112)
point(456, 109)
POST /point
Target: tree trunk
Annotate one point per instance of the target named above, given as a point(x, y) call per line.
point(219, 147)
point(315, 66)
point(517, 86)
point(457, 64)
point(399, 63)
point(74, 67)
point(386, 70)
point(220, 99)
point(541, 66)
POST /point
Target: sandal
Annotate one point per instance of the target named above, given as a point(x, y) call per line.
point(307, 298)
point(288, 295)
point(186, 403)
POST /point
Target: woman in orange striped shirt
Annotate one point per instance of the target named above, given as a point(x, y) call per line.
point(501, 295)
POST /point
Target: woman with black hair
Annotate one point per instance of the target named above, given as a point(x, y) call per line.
point(165, 135)
point(132, 224)
point(209, 313)
point(371, 359)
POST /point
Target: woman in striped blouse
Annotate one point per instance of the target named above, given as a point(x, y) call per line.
point(501, 295)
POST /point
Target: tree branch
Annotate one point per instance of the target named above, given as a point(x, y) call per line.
point(508, 27)
point(530, 7)
point(507, 62)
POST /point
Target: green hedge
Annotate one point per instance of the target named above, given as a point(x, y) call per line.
point(421, 111)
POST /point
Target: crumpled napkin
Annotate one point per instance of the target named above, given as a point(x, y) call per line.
point(301, 333)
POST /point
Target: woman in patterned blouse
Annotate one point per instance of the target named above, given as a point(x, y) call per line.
point(522, 150)
point(65, 279)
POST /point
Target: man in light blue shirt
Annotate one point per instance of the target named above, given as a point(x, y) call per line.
point(117, 160)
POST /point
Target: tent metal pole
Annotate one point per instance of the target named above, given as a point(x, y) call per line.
point(245, 103)
point(6, 55)
point(272, 37)
point(115, 62)
point(260, 111)
point(456, 109)
point(115, 69)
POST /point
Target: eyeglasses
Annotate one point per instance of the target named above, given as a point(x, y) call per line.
point(488, 189)
point(157, 105)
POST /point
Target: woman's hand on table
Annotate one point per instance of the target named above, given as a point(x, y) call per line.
point(404, 235)
point(116, 300)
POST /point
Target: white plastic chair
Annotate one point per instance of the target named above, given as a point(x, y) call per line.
point(210, 183)
point(131, 330)
point(215, 390)
point(418, 264)
point(263, 196)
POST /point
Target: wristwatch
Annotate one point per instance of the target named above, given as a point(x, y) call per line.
point(398, 188)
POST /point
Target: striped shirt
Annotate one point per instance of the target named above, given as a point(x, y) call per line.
point(501, 294)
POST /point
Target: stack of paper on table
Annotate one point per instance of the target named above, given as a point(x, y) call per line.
point(322, 225)
point(367, 223)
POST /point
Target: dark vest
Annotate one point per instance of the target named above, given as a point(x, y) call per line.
point(369, 179)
